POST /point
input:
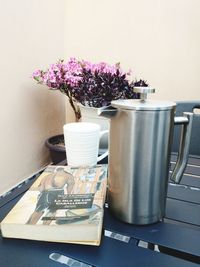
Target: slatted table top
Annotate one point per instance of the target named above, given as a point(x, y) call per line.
point(177, 236)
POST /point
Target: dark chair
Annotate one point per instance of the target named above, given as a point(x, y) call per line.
point(183, 106)
point(189, 106)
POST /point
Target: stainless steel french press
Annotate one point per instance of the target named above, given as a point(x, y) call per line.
point(141, 133)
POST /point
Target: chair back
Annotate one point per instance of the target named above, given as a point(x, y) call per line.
point(189, 106)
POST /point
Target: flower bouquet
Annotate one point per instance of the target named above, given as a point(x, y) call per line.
point(91, 84)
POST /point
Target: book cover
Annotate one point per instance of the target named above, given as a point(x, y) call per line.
point(63, 205)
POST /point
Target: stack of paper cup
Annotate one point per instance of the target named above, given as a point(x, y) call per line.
point(82, 143)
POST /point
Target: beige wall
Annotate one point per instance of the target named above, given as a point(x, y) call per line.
point(158, 39)
point(32, 36)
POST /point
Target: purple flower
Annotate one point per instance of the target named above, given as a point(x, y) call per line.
point(36, 73)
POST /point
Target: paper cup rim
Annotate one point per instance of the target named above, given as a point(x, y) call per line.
point(81, 127)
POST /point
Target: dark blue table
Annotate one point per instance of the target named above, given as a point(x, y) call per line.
point(123, 245)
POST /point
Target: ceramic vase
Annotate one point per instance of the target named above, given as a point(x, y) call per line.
point(91, 114)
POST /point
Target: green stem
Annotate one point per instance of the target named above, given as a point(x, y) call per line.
point(75, 108)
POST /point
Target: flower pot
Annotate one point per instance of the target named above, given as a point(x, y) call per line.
point(91, 114)
point(56, 147)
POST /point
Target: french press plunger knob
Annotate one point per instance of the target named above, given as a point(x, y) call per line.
point(143, 91)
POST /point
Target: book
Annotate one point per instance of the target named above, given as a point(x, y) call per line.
point(64, 204)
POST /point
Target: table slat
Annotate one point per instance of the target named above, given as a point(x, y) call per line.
point(169, 235)
point(183, 192)
point(183, 211)
point(110, 253)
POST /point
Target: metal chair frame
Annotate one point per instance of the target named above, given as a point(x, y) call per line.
point(188, 106)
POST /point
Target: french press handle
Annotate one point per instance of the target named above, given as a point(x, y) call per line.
point(143, 91)
point(183, 153)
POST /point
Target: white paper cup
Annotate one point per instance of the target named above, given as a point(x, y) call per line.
point(82, 143)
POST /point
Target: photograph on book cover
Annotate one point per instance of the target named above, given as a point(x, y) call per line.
point(66, 195)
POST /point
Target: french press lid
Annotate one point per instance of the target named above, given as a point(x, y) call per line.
point(143, 103)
